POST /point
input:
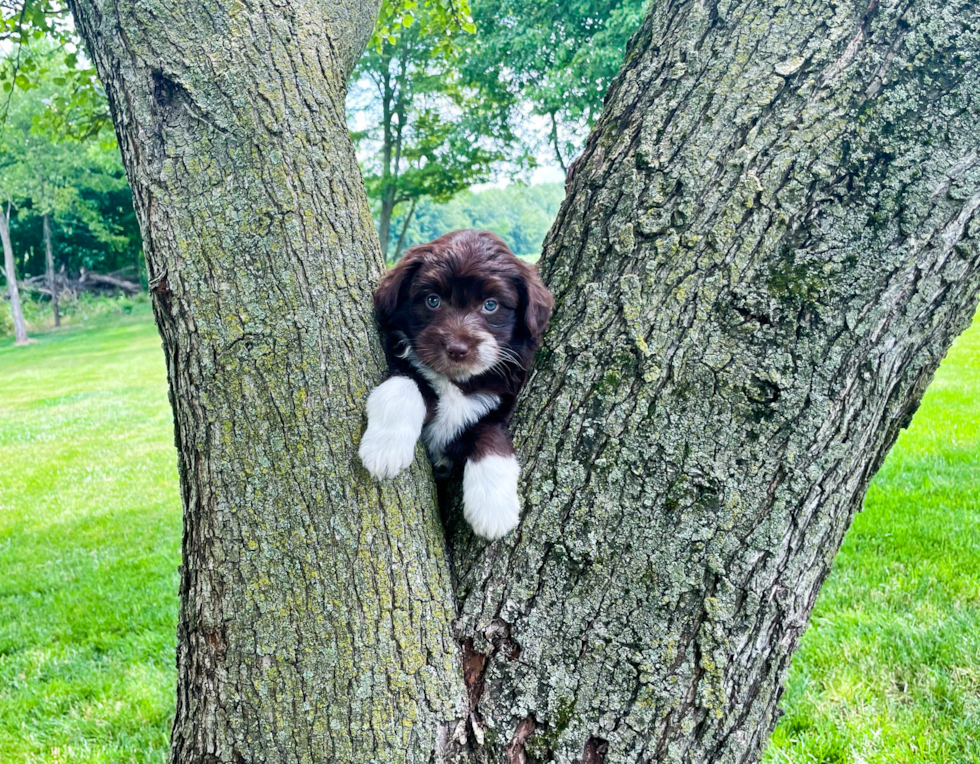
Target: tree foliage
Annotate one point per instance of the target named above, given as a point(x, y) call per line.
point(77, 179)
point(42, 48)
point(424, 128)
point(556, 58)
point(438, 17)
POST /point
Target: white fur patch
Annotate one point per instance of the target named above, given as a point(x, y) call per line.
point(487, 352)
point(396, 411)
point(490, 502)
point(454, 413)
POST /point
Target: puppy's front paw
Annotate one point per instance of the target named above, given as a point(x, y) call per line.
point(386, 453)
point(396, 412)
point(490, 502)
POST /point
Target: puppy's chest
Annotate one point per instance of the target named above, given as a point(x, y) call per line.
point(455, 411)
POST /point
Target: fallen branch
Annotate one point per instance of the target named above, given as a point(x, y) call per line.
point(128, 287)
point(87, 281)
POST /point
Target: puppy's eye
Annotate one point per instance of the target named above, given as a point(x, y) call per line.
point(432, 301)
point(489, 306)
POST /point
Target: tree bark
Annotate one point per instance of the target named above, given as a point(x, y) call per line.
point(766, 249)
point(10, 268)
point(49, 268)
point(315, 609)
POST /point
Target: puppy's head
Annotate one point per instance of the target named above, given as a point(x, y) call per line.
point(465, 304)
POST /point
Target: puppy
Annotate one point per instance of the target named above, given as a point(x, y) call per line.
point(462, 318)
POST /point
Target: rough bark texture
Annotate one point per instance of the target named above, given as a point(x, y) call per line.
point(315, 607)
point(49, 273)
point(10, 269)
point(766, 249)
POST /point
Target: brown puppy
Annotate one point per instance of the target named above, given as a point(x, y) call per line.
point(462, 318)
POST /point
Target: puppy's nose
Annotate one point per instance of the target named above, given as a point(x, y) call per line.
point(457, 351)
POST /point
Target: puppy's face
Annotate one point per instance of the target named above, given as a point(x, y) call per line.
point(464, 304)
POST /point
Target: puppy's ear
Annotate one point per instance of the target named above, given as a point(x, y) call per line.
point(393, 287)
point(536, 301)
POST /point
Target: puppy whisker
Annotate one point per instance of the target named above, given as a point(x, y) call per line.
point(508, 356)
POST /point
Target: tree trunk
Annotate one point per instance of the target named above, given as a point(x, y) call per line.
point(387, 181)
point(384, 219)
point(766, 248)
point(315, 609)
point(10, 268)
point(556, 143)
point(49, 268)
point(405, 224)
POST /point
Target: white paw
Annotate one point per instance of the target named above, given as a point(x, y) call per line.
point(396, 411)
point(386, 453)
point(490, 503)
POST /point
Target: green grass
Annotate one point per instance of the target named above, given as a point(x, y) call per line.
point(89, 545)
point(889, 670)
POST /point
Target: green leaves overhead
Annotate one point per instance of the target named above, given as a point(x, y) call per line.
point(557, 57)
point(40, 45)
point(437, 20)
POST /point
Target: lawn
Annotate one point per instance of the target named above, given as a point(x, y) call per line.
point(889, 670)
point(89, 546)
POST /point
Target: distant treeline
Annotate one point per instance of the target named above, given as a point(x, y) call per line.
point(76, 246)
point(520, 215)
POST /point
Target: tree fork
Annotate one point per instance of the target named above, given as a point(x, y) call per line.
point(766, 248)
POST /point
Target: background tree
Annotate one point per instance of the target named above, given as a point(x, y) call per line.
point(63, 184)
point(426, 130)
point(552, 58)
point(10, 273)
point(765, 251)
